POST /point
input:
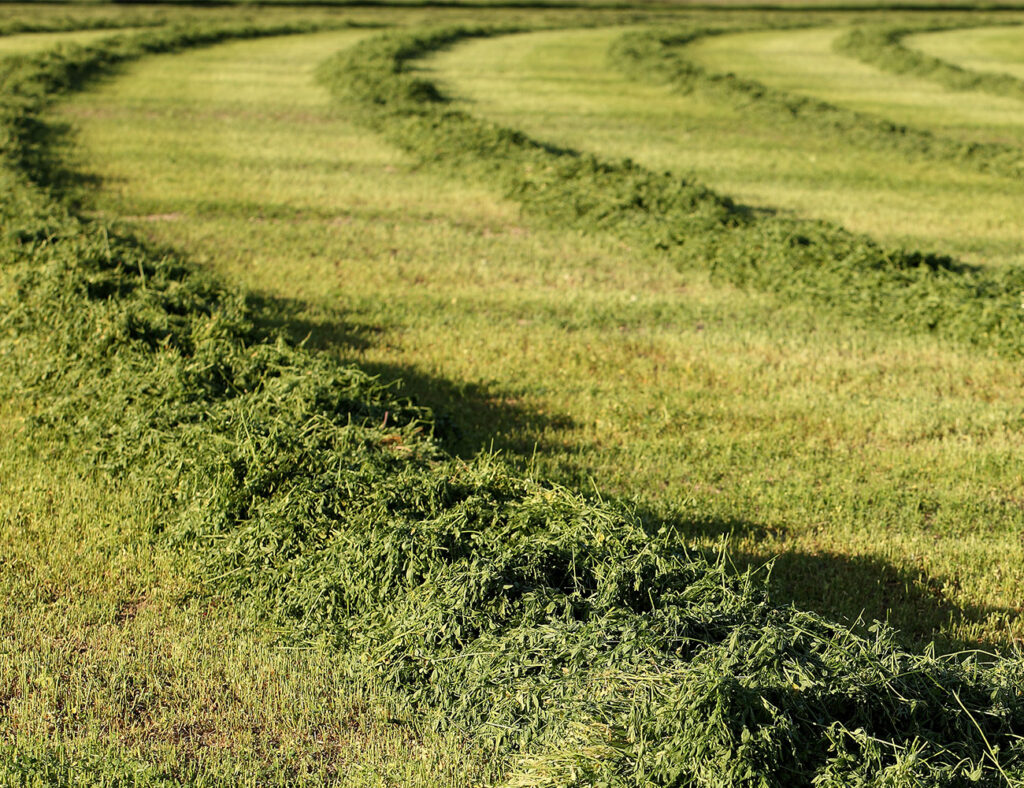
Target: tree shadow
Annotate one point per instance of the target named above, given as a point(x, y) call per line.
point(854, 590)
point(470, 418)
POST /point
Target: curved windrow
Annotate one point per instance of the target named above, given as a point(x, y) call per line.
point(844, 272)
point(659, 212)
point(803, 62)
point(990, 50)
point(559, 87)
point(888, 48)
point(557, 627)
point(932, 115)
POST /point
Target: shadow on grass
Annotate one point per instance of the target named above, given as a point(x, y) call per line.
point(315, 327)
point(856, 590)
point(49, 156)
point(869, 588)
point(471, 418)
point(468, 417)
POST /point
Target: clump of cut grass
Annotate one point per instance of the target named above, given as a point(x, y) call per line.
point(882, 46)
point(561, 629)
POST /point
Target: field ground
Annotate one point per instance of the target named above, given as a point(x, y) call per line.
point(997, 50)
point(882, 471)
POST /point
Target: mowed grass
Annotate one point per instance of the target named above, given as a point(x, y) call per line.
point(559, 87)
point(108, 667)
point(885, 471)
point(28, 43)
point(802, 61)
point(116, 665)
point(998, 50)
point(110, 664)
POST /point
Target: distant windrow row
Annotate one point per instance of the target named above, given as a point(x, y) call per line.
point(884, 47)
point(662, 55)
point(811, 262)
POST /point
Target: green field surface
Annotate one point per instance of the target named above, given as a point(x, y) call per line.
point(999, 50)
point(880, 471)
point(114, 662)
point(591, 362)
point(111, 666)
point(802, 61)
point(559, 87)
point(25, 43)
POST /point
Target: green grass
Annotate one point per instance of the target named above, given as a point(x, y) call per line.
point(559, 629)
point(109, 662)
point(27, 28)
point(802, 61)
point(884, 47)
point(624, 370)
point(560, 87)
point(117, 665)
point(68, 16)
point(996, 50)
